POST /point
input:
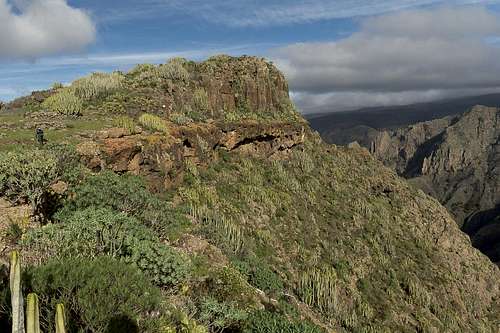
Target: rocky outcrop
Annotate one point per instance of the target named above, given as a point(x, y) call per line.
point(163, 158)
point(223, 86)
point(455, 159)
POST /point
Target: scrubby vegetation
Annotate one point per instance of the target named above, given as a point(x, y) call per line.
point(65, 102)
point(153, 122)
point(98, 85)
point(236, 221)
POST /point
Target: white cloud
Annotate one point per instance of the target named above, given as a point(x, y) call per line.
point(399, 58)
point(266, 13)
point(33, 28)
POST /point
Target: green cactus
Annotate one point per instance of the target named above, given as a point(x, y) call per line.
point(32, 314)
point(16, 293)
point(60, 326)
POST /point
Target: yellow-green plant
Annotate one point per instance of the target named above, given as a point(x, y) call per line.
point(60, 319)
point(174, 70)
point(179, 118)
point(113, 107)
point(153, 122)
point(16, 293)
point(32, 314)
point(231, 233)
point(98, 85)
point(64, 102)
point(200, 100)
point(126, 123)
point(318, 288)
point(57, 85)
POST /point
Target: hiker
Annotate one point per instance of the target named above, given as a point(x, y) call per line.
point(39, 136)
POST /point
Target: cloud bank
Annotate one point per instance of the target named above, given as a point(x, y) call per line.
point(399, 58)
point(34, 28)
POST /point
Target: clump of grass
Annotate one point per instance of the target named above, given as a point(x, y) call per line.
point(98, 85)
point(179, 118)
point(126, 123)
point(64, 102)
point(318, 288)
point(223, 230)
point(153, 122)
point(200, 100)
point(174, 70)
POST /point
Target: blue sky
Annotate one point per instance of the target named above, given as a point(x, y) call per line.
point(82, 36)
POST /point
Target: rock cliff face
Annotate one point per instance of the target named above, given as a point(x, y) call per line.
point(226, 87)
point(455, 159)
point(163, 159)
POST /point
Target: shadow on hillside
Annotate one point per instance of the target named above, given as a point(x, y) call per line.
point(483, 229)
point(122, 323)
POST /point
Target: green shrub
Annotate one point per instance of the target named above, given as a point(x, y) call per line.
point(101, 231)
point(165, 266)
point(260, 274)
point(68, 166)
point(27, 174)
point(179, 118)
point(64, 102)
point(126, 123)
point(220, 316)
point(141, 68)
point(174, 70)
point(153, 122)
point(270, 322)
point(98, 294)
point(127, 194)
point(113, 107)
point(226, 283)
point(98, 85)
point(200, 100)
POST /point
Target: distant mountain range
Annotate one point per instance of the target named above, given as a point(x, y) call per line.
point(361, 125)
point(453, 155)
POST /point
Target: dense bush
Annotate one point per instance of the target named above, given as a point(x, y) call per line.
point(91, 232)
point(68, 166)
point(94, 232)
point(125, 122)
point(200, 101)
point(174, 70)
point(27, 174)
point(153, 122)
point(259, 274)
point(98, 85)
point(65, 102)
point(165, 266)
point(99, 294)
point(267, 322)
point(179, 118)
point(127, 194)
point(220, 316)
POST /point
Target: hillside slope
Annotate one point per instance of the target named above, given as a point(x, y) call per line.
point(456, 159)
point(274, 222)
